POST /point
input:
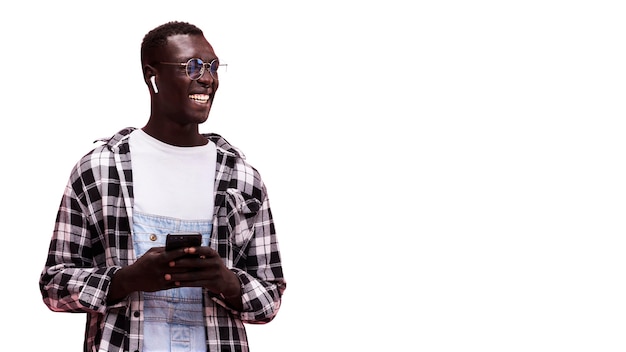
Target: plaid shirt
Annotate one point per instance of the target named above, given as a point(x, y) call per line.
point(92, 240)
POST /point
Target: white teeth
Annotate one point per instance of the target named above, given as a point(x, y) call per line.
point(202, 98)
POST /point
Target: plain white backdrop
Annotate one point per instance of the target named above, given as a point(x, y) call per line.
point(444, 175)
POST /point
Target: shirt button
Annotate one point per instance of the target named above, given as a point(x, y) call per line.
point(136, 314)
point(153, 237)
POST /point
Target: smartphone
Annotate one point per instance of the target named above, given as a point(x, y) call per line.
point(182, 240)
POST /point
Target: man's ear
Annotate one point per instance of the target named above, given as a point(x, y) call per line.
point(148, 71)
point(149, 76)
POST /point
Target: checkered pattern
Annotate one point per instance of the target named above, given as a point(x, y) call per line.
point(92, 240)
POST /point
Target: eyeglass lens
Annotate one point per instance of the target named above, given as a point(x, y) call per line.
point(195, 68)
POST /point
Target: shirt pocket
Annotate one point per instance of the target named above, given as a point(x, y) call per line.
point(241, 209)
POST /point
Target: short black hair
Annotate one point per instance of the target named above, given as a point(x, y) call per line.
point(157, 37)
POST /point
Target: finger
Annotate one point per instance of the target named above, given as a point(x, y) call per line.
point(174, 254)
point(192, 250)
point(192, 276)
point(190, 264)
point(193, 283)
point(206, 252)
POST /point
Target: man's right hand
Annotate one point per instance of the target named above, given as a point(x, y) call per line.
point(151, 272)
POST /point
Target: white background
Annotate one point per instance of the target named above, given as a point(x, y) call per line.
point(444, 175)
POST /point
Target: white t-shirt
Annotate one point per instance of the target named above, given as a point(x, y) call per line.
point(172, 181)
point(173, 192)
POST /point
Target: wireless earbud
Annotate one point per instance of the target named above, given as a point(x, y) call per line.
point(154, 86)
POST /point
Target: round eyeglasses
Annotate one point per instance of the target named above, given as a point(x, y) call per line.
point(195, 67)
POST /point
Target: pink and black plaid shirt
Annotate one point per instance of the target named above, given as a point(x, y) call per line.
point(92, 240)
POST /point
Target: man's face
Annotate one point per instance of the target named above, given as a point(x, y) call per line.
point(180, 99)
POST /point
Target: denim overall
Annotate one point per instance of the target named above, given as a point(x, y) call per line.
point(173, 319)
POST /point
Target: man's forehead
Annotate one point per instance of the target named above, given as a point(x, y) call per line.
point(187, 45)
point(183, 41)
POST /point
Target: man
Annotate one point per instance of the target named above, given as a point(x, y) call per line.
point(107, 256)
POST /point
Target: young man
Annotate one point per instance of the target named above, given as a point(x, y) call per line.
point(107, 254)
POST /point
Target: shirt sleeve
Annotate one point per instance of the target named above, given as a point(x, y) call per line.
point(256, 257)
point(70, 280)
point(264, 284)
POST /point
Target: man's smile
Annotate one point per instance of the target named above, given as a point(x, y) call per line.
point(200, 98)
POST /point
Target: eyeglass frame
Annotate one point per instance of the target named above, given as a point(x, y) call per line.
point(202, 69)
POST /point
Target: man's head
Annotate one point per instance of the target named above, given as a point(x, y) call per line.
point(176, 61)
point(157, 38)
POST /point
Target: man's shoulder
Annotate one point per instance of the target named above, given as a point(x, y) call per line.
point(243, 170)
point(103, 152)
point(224, 146)
point(118, 139)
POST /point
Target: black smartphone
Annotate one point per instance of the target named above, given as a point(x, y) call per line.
point(182, 240)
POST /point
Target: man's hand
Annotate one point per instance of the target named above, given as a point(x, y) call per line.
point(203, 267)
point(159, 269)
point(151, 272)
